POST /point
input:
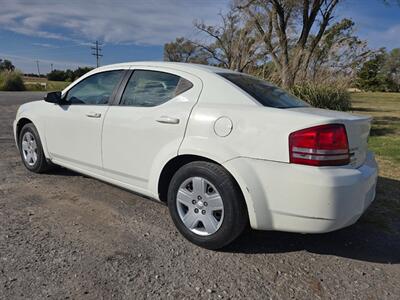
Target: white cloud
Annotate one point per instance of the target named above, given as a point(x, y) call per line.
point(146, 22)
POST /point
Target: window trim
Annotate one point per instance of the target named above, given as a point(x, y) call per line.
point(113, 94)
point(128, 76)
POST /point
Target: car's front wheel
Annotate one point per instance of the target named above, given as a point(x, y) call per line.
point(31, 149)
point(206, 205)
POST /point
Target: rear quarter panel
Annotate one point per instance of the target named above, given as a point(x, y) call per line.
point(258, 132)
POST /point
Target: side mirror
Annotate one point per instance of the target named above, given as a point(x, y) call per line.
point(53, 97)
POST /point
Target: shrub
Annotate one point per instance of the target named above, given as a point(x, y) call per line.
point(11, 81)
point(324, 96)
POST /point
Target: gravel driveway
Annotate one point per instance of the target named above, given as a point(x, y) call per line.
point(67, 236)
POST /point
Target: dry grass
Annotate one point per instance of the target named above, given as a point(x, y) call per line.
point(42, 84)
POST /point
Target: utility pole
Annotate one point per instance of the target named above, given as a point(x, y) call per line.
point(37, 64)
point(51, 67)
point(97, 51)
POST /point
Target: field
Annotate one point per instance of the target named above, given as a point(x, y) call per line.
point(64, 235)
point(385, 142)
point(385, 133)
point(42, 84)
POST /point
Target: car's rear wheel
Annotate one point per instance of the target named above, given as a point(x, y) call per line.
point(31, 149)
point(206, 205)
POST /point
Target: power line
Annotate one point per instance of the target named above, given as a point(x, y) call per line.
point(97, 51)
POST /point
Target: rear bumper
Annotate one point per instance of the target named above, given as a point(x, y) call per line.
point(298, 198)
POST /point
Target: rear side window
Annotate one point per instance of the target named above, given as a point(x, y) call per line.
point(263, 92)
point(152, 88)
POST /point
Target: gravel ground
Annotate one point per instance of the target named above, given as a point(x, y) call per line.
point(67, 236)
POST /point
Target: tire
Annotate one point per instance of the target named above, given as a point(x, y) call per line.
point(210, 227)
point(33, 157)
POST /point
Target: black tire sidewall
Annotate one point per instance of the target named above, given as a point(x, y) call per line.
point(41, 164)
point(235, 217)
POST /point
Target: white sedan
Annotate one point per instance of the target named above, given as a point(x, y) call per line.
point(221, 148)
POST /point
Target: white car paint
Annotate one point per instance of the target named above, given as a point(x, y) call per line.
point(128, 147)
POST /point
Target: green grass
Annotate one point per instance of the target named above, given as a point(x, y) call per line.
point(385, 142)
point(385, 132)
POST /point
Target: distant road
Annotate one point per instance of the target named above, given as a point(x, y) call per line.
point(17, 98)
point(9, 103)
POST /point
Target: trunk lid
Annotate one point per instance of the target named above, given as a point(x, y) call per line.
point(357, 128)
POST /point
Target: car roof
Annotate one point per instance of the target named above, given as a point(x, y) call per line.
point(188, 67)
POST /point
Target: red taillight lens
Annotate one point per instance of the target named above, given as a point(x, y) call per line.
point(324, 145)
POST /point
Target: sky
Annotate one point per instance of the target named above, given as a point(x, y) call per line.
point(60, 32)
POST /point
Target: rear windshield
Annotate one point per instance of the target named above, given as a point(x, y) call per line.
point(263, 92)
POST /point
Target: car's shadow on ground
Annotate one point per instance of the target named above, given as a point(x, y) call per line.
point(60, 171)
point(366, 240)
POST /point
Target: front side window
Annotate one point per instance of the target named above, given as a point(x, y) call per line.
point(265, 93)
point(94, 90)
point(152, 88)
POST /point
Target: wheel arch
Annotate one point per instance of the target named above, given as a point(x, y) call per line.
point(22, 121)
point(20, 124)
point(177, 162)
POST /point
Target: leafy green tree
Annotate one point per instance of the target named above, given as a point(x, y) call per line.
point(371, 76)
point(6, 65)
point(392, 68)
point(68, 75)
point(56, 75)
point(80, 72)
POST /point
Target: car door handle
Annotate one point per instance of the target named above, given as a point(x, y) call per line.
point(168, 120)
point(93, 115)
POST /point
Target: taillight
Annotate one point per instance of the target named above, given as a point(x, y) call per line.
point(324, 145)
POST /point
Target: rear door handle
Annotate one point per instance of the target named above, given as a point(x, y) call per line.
point(168, 120)
point(93, 115)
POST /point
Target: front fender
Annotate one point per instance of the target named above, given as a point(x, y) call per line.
point(32, 111)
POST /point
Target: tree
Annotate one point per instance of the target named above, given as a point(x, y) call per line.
point(183, 50)
point(371, 76)
point(286, 27)
point(68, 75)
point(392, 69)
point(338, 52)
point(6, 65)
point(56, 75)
point(80, 71)
point(234, 45)
point(381, 72)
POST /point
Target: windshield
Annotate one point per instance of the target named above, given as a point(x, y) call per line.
point(264, 92)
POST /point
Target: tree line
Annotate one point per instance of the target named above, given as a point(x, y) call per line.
point(55, 75)
point(12, 79)
point(68, 75)
point(290, 42)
